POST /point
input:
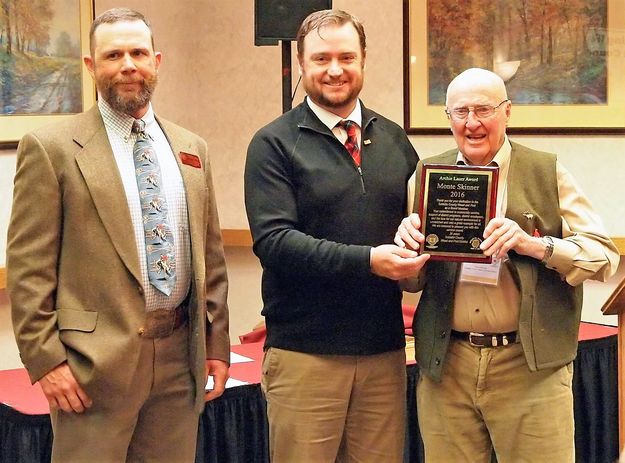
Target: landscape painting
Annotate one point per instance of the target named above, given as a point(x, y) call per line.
point(543, 49)
point(560, 59)
point(41, 71)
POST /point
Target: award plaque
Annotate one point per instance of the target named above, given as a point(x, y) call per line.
point(455, 204)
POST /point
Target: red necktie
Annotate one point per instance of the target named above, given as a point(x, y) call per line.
point(352, 140)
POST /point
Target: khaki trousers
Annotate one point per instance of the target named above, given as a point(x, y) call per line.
point(155, 422)
point(327, 408)
point(488, 399)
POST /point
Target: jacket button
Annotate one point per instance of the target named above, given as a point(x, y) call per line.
point(443, 334)
point(437, 361)
point(141, 331)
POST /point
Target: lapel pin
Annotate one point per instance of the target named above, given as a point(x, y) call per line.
point(367, 142)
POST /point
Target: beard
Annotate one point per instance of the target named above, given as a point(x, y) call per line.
point(330, 100)
point(127, 103)
point(334, 102)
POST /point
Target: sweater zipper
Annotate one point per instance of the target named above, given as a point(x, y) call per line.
point(362, 180)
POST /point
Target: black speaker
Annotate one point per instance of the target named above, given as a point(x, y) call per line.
point(280, 19)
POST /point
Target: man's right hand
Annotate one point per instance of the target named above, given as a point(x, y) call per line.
point(396, 263)
point(63, 391)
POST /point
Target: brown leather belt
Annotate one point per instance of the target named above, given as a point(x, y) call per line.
point(486, 339)
point(162, 323)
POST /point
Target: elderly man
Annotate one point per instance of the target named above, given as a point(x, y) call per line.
point(496, 360)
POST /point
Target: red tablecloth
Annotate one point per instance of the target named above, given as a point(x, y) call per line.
point(17, 392)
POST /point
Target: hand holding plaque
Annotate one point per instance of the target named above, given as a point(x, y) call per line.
point(455, 204)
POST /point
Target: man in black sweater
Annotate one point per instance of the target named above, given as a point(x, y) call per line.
point(323, 197)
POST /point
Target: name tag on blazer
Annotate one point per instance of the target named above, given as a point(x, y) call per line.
point(190, 160)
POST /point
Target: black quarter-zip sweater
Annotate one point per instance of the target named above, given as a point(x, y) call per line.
point(314, 218)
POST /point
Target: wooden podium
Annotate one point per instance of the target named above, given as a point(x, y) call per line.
point(615, 305)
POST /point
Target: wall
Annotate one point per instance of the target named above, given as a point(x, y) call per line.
point(214, 81)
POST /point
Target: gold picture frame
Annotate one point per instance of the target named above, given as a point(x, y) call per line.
point(14, 126)
point(601, 117)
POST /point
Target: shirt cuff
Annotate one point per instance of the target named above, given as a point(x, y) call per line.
point(563, 255)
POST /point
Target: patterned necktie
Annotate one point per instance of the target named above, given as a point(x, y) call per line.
point(159, 241)
point(352, 140)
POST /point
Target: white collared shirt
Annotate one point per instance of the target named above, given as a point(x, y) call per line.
point(119, 130)
point(330, 120)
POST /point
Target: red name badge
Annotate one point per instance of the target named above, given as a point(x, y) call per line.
point(190, 159)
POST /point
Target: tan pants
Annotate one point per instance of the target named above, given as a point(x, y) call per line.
point(156, 423)
point(489, 399)
point(327, 408)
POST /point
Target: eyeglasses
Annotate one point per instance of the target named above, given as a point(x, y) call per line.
point(480, 112)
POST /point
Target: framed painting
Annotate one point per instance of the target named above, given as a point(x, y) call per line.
point(42, 78)
point(563, 61)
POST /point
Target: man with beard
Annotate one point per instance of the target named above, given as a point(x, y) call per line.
point(322, 198)
point(115, 264)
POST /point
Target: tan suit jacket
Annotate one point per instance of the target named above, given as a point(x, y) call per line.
point(73, 271)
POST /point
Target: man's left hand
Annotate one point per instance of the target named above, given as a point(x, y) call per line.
point(502, 235)
point(218, 369)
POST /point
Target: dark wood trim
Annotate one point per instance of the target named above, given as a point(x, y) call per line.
point(621, 379)
point(406, 59)
point(8, 145)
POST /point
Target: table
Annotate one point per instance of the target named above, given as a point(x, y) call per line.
point(233, 428)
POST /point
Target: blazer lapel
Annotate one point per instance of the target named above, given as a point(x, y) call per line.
point(99, 169)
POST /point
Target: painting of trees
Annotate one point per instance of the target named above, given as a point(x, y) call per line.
point(539, 47)
point(40, 65)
